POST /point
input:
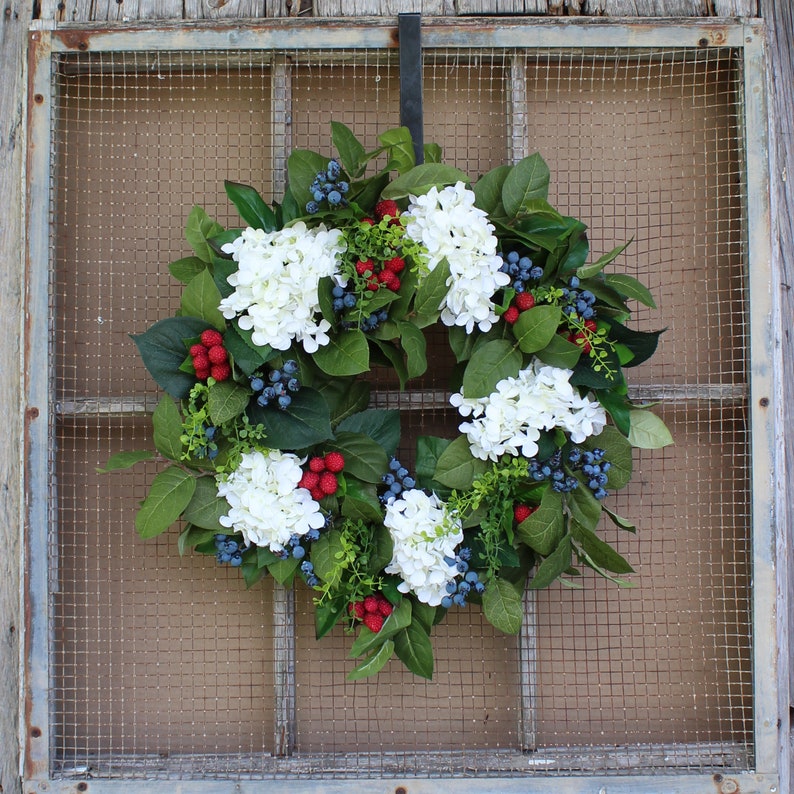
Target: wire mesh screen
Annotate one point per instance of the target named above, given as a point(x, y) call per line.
point(167, 666)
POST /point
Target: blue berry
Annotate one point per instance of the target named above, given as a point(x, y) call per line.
point(395, 464)
point(338, 292)
point(334, 198)
point(536, 273)
point(402, 472)
point(349, 300)
point(388, 479)
point(459, 599)
point(479, 587)
point(338, 305)
point(452, 586)
point(446, 602)
point(472, 577)
point(257, 384)
point(512, 257)
point(274, 376)
point(290, 367)
point(293, 384)
point(462, 566)
point(209, 432)
point(408, 483)
point(262, 400)
point(342, 187)
point(465, 554)
point(574, 282)
point(284, 402)
point(299, 552)
point(312, 208)
point(237, 560)
point(395, 488)
point(333, 170)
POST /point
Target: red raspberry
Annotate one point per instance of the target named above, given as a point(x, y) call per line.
point(364, 267)
point(387, 208)
point(220, 372)
point(317, 464)
point(202, 374)
point(368, 221)
point(357, 609)
point(309, 481)
point(373, 621)
point(371, 603)
point(198, 350)
point(390, 280)
point(511, 315)
point(524, 301)
point(328, 483)
point(201, 362)
point(590, 325)
point(372, 283)
point(334, 462)
point(211, 337)
point(396, 264)
point(522, 512)
point(217, 355)
point(317, 494)
point(384, 607)
point(580, 340)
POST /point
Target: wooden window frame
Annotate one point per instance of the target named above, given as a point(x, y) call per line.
point(747, 39)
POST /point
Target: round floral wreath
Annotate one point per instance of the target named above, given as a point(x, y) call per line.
point(278, 465)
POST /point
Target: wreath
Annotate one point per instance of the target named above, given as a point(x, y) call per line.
point(277, 465)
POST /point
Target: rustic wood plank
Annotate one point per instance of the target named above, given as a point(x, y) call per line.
point(14, 23)
point(647, 8)
point(780, 27)
point(128, 10)
point(382, 8)
point(467, 7)
point(735, 8)
point(224, 9)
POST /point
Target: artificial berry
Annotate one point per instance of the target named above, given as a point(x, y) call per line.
point(524, 301)
point(220, 372)
point(364, 267)
point(373, 621)
point(198, 350)
point(389, 279)
point(217, 355)
point(368, 221)
point(317, 464)
point(211, 338)
point(334, 462)
point(328, 483)
point(522, 512)
point(511, 315)
point(317, 494)
point(201, 362)
point(309, 481)
point(371, 603)
point(591, 326)
point(202, 374)
point(384, 607)
point(396, 264)
point(372, 282)
point(580, 340)
point(357, 608)
point(386, 208)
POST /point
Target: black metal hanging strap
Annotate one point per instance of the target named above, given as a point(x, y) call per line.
point(409, 29)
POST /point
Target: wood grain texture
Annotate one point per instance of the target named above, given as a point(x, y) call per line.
point(647, 8)
point(780, 28)
point(735, 8)
point(358, 8)
point(467, 7)
point(14, 24)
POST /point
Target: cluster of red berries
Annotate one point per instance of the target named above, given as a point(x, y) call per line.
point(386, 273)
point(580, 338)
point(523, 512)
point(320, 480)
point(210, 359)
point(372, 611)
point(521, 303)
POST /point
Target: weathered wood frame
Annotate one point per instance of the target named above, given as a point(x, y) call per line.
point(745, 38)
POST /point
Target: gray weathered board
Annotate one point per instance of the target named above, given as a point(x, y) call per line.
point(14, 24)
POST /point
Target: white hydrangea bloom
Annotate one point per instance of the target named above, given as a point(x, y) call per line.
point(450, 227)
point(509, 420)
point(424, 532)
point(265, 503)
point(276, 284)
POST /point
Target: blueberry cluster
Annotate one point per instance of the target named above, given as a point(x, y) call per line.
point(396, 480)
point(578, 303)
point(520, 269)
point(281, 383)
point(228, 551)
point(328, 187)
point(344, 299)
point(552, 469)
point(458, 590)
point(307, 569)
point(594, 467)
point(208, 448)
point(297, 550)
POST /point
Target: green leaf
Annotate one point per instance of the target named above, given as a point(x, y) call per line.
point(629, 287)
point(617, 450)
point(192, 537)
point(346, 354)
point(641, 343)
point(326, 616)
point(488, 189)
point(325, 559)
point(169, 495)
point(226, 400)
point(283, 571)
point(380, 425)
point(187, 268)
point(351, 152)
point(489, 364)
point(373, 664)
point(414, 344)
point(199, 229)
point(501, 603)
point(617, 407)
point(163, 349)
point(543, 530)
point(251, 206)
point(457, 467)
point(247, 356)
point(201, 299)
point(364, 458)
point(425, 615)
point(584, 507)
point(528, 179)
point(302, 168)
point(383, 548)
point(599, 552)
point(428, 450)
point(559, 352)
point(553, 566)
point(167, 425)
point(393, 357)
point(619, 521)
point(536, 328)
point(206, 507)
point(420, 179)
point(432, 290)
point(461, 342)
point(587, 271)
point(353, 400)
point(401, 149)
point(432, 152)
point(413, 649)
point(361, 502)
point(125, 460)
point(648, 431)
point(305, 423)
point(399, 619)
